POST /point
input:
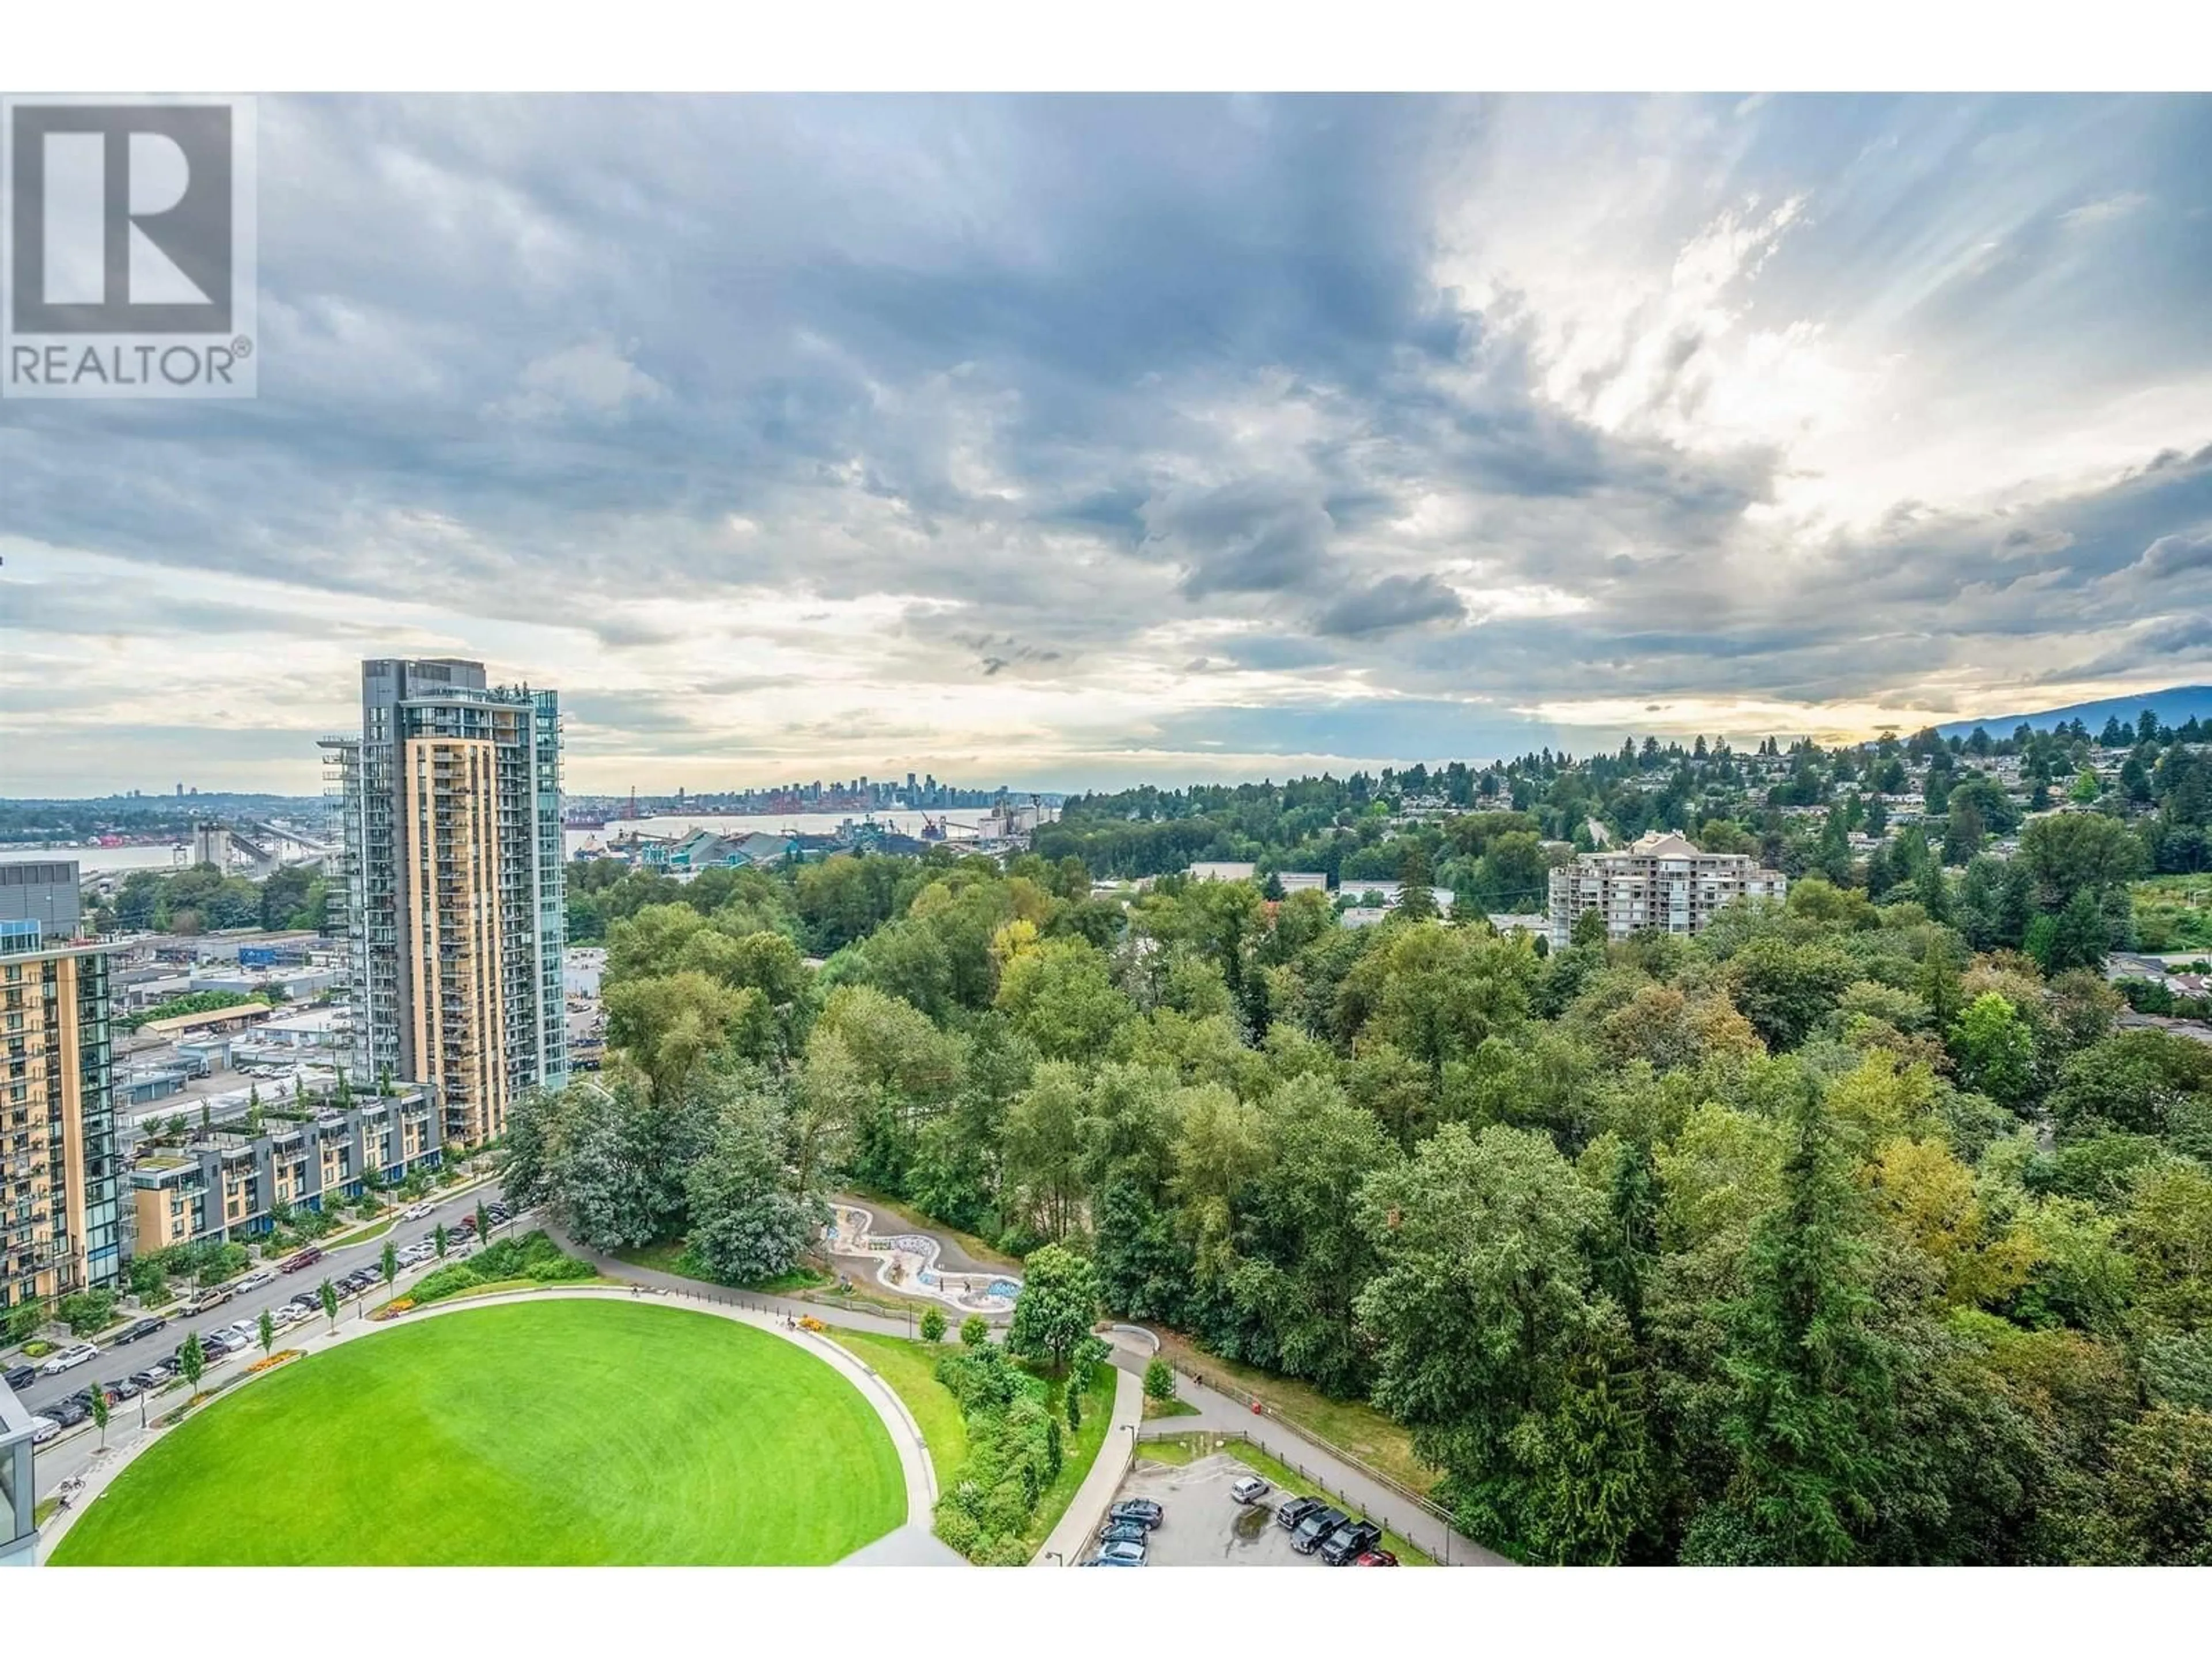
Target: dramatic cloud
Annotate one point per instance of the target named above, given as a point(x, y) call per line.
point(1056, 441)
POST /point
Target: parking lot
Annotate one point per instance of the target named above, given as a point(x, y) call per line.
point(1203, 1526)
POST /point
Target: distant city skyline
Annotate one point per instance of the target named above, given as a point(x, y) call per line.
point(1071, 443)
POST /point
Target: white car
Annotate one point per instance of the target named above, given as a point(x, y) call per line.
point(75, 1354)
point(43, 1429)
point(254, 1280)
point(415, 1213)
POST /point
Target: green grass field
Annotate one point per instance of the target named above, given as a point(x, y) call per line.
point(911, 1369)
point(557, 1433)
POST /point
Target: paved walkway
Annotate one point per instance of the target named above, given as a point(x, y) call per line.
point(1071, 1540)
point(919, 1474)
point(694, 1290)
point(1218, 1414)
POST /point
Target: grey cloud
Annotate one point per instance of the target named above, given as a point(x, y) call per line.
point(2172, 556)
point(1394, 602)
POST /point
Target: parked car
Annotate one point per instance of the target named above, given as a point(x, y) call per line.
point(254, 1280)
point(1122, 1555)
point(1122, 1531)
point(1142, 1510)
point(77, 1353)
point(214, 1296)
point(122, 1388)
point(69, 1412)
point(1310, 1534)
point(138, 1328)
point(21, 1376)
point(1376, 1558)
point(222, 1342)
point(1248, 1489)
point(154, 1374)
point(1350, 1541)
point(1292, 1510)
point(43, 1429)
point(246, 1330)
point(299, 1258)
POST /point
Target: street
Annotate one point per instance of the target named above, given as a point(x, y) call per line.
point(59, 1459)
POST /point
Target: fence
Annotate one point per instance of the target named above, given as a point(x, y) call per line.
point(1426, 1506)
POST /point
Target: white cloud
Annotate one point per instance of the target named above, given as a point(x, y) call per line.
point(593, 378)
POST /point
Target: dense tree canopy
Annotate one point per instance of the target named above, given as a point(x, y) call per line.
point(1863, 1228)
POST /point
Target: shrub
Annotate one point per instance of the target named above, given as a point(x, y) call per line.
point(447, 1281)
point(1160, 1380)
point(87, 1311)
point(560, 1268)
point(932, 1325)
point(1014, 1452)
point(533, 1256)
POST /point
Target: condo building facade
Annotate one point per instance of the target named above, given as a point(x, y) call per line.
point(452, 869)
point(1659, 881)
point(60, 1173)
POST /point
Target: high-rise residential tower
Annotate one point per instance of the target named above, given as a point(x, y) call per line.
point(452, 880)
point(60, 1184)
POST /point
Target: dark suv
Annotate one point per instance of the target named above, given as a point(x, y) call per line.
point(1349, 1542)
point(1292, 1510)
point(1142, 1510)
point(21, 1376)
point(141, 1327)
point(1309, 1533)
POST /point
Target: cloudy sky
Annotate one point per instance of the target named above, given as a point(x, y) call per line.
point(1070, 442)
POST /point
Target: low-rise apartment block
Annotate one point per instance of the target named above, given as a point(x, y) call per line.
point(1658, 881)
point(229, 1183)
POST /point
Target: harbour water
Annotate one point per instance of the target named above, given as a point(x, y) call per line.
point(959, 825)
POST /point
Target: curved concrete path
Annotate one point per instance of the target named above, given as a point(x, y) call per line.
point(1076, 1535)
point(915, 1466)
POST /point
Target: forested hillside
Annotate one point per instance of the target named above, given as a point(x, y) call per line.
point(1840, 1234)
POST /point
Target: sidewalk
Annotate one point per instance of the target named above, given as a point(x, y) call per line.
point(851, 1319)
point(1079, 1524)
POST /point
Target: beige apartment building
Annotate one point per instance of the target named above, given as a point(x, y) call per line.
point(1658, 881)
point(60, 1219)
point(453, 870)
